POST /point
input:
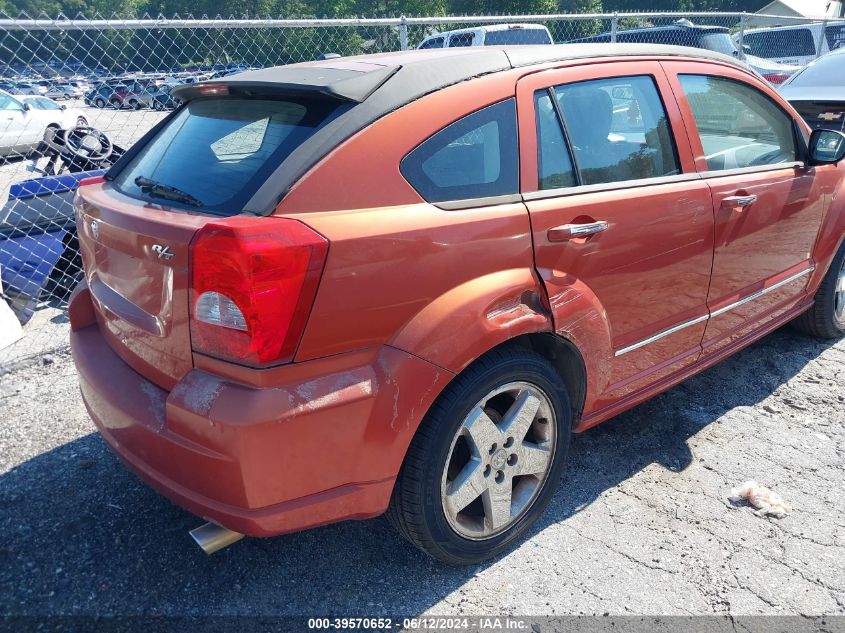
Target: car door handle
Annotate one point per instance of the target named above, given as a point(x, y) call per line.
point(568, 231)
point(732, 202)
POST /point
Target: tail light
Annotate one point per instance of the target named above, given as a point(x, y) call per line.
point(776, 78)
point(253, 283)
point(91, 180)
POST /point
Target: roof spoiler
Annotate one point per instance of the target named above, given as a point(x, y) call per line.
point(343, 84)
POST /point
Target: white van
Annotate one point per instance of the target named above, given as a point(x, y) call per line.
point(492, 35)
point(796, 44)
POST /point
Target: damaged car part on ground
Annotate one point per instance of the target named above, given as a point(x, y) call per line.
point(294, 335)
point(39, 251)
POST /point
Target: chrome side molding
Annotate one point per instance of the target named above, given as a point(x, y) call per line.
point(715, 313)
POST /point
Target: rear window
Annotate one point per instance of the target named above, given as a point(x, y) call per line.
point(475, 157)
point(835, 36)
point(220, 151)
point(719, 42)
point(517, 36)
point(461, 39)
point(436, 42)
point(784, 43)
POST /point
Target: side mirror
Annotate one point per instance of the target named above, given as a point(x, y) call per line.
point(826, 147)
point(63, 107)
point(26, 107)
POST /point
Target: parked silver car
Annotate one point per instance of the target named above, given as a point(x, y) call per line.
point(818, 91)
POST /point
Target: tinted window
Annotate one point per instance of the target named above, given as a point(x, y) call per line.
point(437, 42)
point(46, 104)
point(784, 43)
point(719, 42)
point(517, 36)
point(474, 157)
point(221, 150)
point(739, 126)
point(618, 129)
point(554, 163)
point(673, 37)
point(7, 103)
point(461, 39)
point(835, 36)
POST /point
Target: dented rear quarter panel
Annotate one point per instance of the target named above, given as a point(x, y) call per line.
point(446, 285)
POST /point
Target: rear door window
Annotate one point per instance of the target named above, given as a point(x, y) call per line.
point(517, 36)
point(475, 157)
point(554, 160)
point(783, 43)
point(618, 129)
point(219, 151)
point(835, 36)
point(461, 39)
point(739, 126)
point(436, 42)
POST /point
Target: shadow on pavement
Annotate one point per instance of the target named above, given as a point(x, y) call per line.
point(83, 535)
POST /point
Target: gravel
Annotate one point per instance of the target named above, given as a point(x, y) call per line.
point(640, 524)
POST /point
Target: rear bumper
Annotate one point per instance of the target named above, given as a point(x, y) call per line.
point(322, 447)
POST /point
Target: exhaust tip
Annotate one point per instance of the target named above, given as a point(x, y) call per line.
point(212, 537)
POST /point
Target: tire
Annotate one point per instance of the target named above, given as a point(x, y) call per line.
point(158, 105)
point(826, 318)
point(116, 104)
point(81, 122)
point(99, 102)
point(434, 463)
point(134, 105)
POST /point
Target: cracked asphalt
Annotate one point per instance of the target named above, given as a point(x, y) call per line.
point(640, 524)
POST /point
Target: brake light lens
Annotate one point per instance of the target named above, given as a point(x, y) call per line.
point(776, 78)
point(253, 284)
point(92, 180)
point(213, 89)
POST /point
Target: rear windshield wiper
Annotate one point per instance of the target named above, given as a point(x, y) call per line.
point(159, 190)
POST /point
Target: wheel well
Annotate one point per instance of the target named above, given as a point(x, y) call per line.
point(566, 359)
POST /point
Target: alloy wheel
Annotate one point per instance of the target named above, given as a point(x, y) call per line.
point(499, 460)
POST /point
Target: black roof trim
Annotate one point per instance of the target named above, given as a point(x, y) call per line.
point(337, 83)
point(379, 84)
point(529, 55)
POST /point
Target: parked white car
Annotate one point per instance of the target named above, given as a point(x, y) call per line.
point(24, 120)
point(27, 88)
point(491, 35)
point(796, 44)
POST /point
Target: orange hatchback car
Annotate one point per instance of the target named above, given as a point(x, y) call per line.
point(400, 282)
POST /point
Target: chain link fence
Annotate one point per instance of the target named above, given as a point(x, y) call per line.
point(75, 93)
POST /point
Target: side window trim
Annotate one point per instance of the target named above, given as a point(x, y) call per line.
point(541, 194)
point(566, 138)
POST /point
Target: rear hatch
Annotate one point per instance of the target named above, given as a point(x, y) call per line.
point(136, 261)
point(136, 229)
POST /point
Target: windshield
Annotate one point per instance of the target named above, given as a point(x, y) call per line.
point(219, 151)
point(719, 42)
point(517, 36)
point(825, 72)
